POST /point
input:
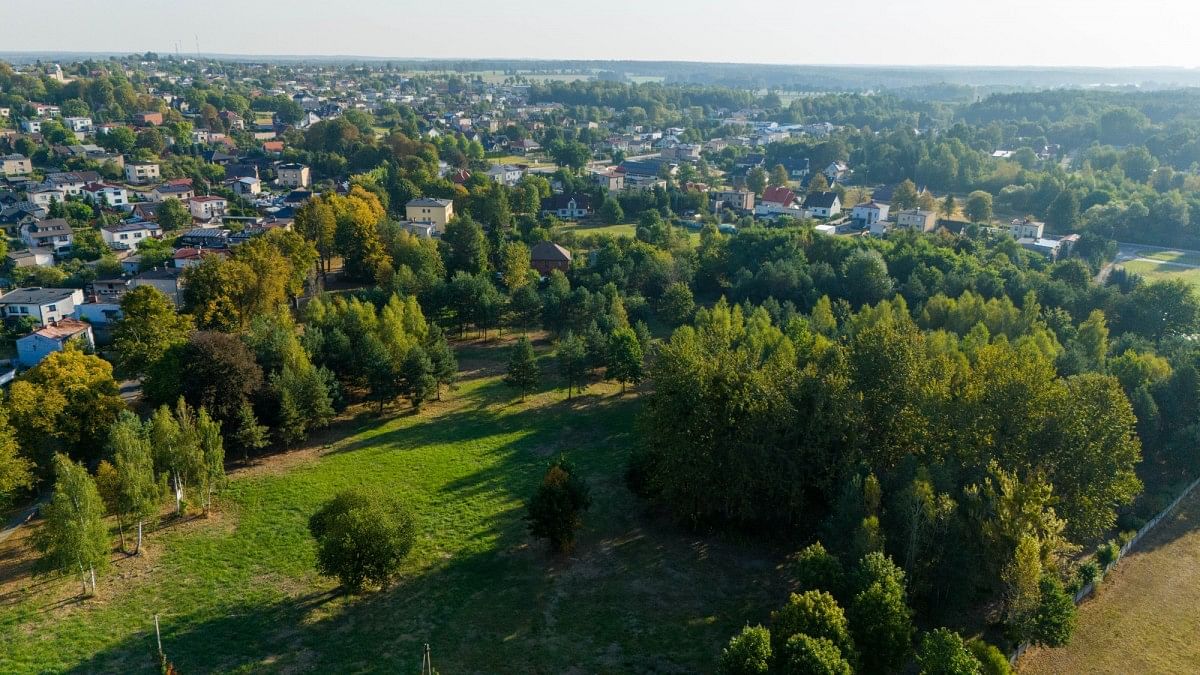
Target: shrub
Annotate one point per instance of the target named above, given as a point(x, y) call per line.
point(1087, 573)
point(361, 537)
point(748, 653)
point(943, 652)
point(992, 661)
point(807, 655)
point(1107, 553)
point(814, 568)
point(1054, 622)
point(816, 614)
point(556, 511)
point(1126, 536)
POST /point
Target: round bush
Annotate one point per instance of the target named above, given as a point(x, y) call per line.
point(362, 538)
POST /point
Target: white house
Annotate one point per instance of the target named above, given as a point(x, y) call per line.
point(31, 126)
point(1023, 228)
point(80, 125)
point(31, 257)
point(823, 204)
point(247, 186)
point(55, 337)
point(870, 213)
point(140, 173)
point(207, 207)
point(127, 236)
point(505, 174)
point(569, 207)
point(45, 305)
point(52, 233)
point(112, 196)
point(917, 220)
point(44, 195)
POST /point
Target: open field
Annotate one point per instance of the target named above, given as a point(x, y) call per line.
point(1158, 271)
point(237, 592)
point(1143, 620)
point(621, 230)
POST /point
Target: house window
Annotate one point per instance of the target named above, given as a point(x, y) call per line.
point(52, 308)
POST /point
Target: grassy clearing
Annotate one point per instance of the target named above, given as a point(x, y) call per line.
point(1153, 271)
point(237, 592)
point(1144, 618)
point(621, 230)
point(1180, 257)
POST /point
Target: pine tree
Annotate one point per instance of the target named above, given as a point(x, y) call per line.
point(523, 370)
point(416, 376)
point(445, 366)
point(73, 538)
point(250, 435)
point(572, 363)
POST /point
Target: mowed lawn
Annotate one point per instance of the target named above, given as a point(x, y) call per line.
point(1144, 619)
point(1153, 271)
point(237, 592)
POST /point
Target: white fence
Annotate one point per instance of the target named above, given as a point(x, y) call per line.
point(1091, 587)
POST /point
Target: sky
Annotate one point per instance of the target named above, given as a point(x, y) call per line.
point(885, 32)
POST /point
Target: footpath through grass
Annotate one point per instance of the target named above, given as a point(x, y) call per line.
point(1143, 619)
point(237, 592)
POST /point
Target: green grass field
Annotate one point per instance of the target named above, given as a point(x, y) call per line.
point(1143, 620)
point(1156, 272)
point(237, 592)
point(1181, 257)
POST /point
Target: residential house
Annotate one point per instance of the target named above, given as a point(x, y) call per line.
point(247, 187)
point(204, 237)
point(505, 174)
point(870, 213)
point(1024, 228)
point(738, 200)
point(525, 146)
point(917, 220)
point(241, 171)
point(273, 147)
point(141, 173)
point(31, 257)
point(232, 120)
point(190, 256)
point(296, 198)
point(611, 179)
point(430, 210)
point(825, 204)
point(55, 337)
point(79, 125)
point(44, 305)
point(99, 313)
point(172, 190)
point(72, 182)
point(13, 218)
point(15, 165)
point(165, 279)
point(218, 157)
point(127, 236)
point(110, 290)
point(545, 257)
point(52, 233)
point(836, 171)
point(778, 196)
point(567, 207)
point(148, 119)
point(112, 196)
point(207, 207)
point(45, 195)
point(294, 175)
point(31, 126)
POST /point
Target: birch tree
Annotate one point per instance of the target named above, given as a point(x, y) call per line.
point(212, 453)
point(74, 540)
point(138, 494)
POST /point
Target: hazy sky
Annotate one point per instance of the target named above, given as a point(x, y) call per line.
point(967, 32)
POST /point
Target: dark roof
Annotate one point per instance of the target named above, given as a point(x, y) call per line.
point(429, 201)
point(549, 251)
point(820, 200)
point(51, 225)
point(36, 295)
point(556, 202)
point(298, 196)
point(131, 227)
